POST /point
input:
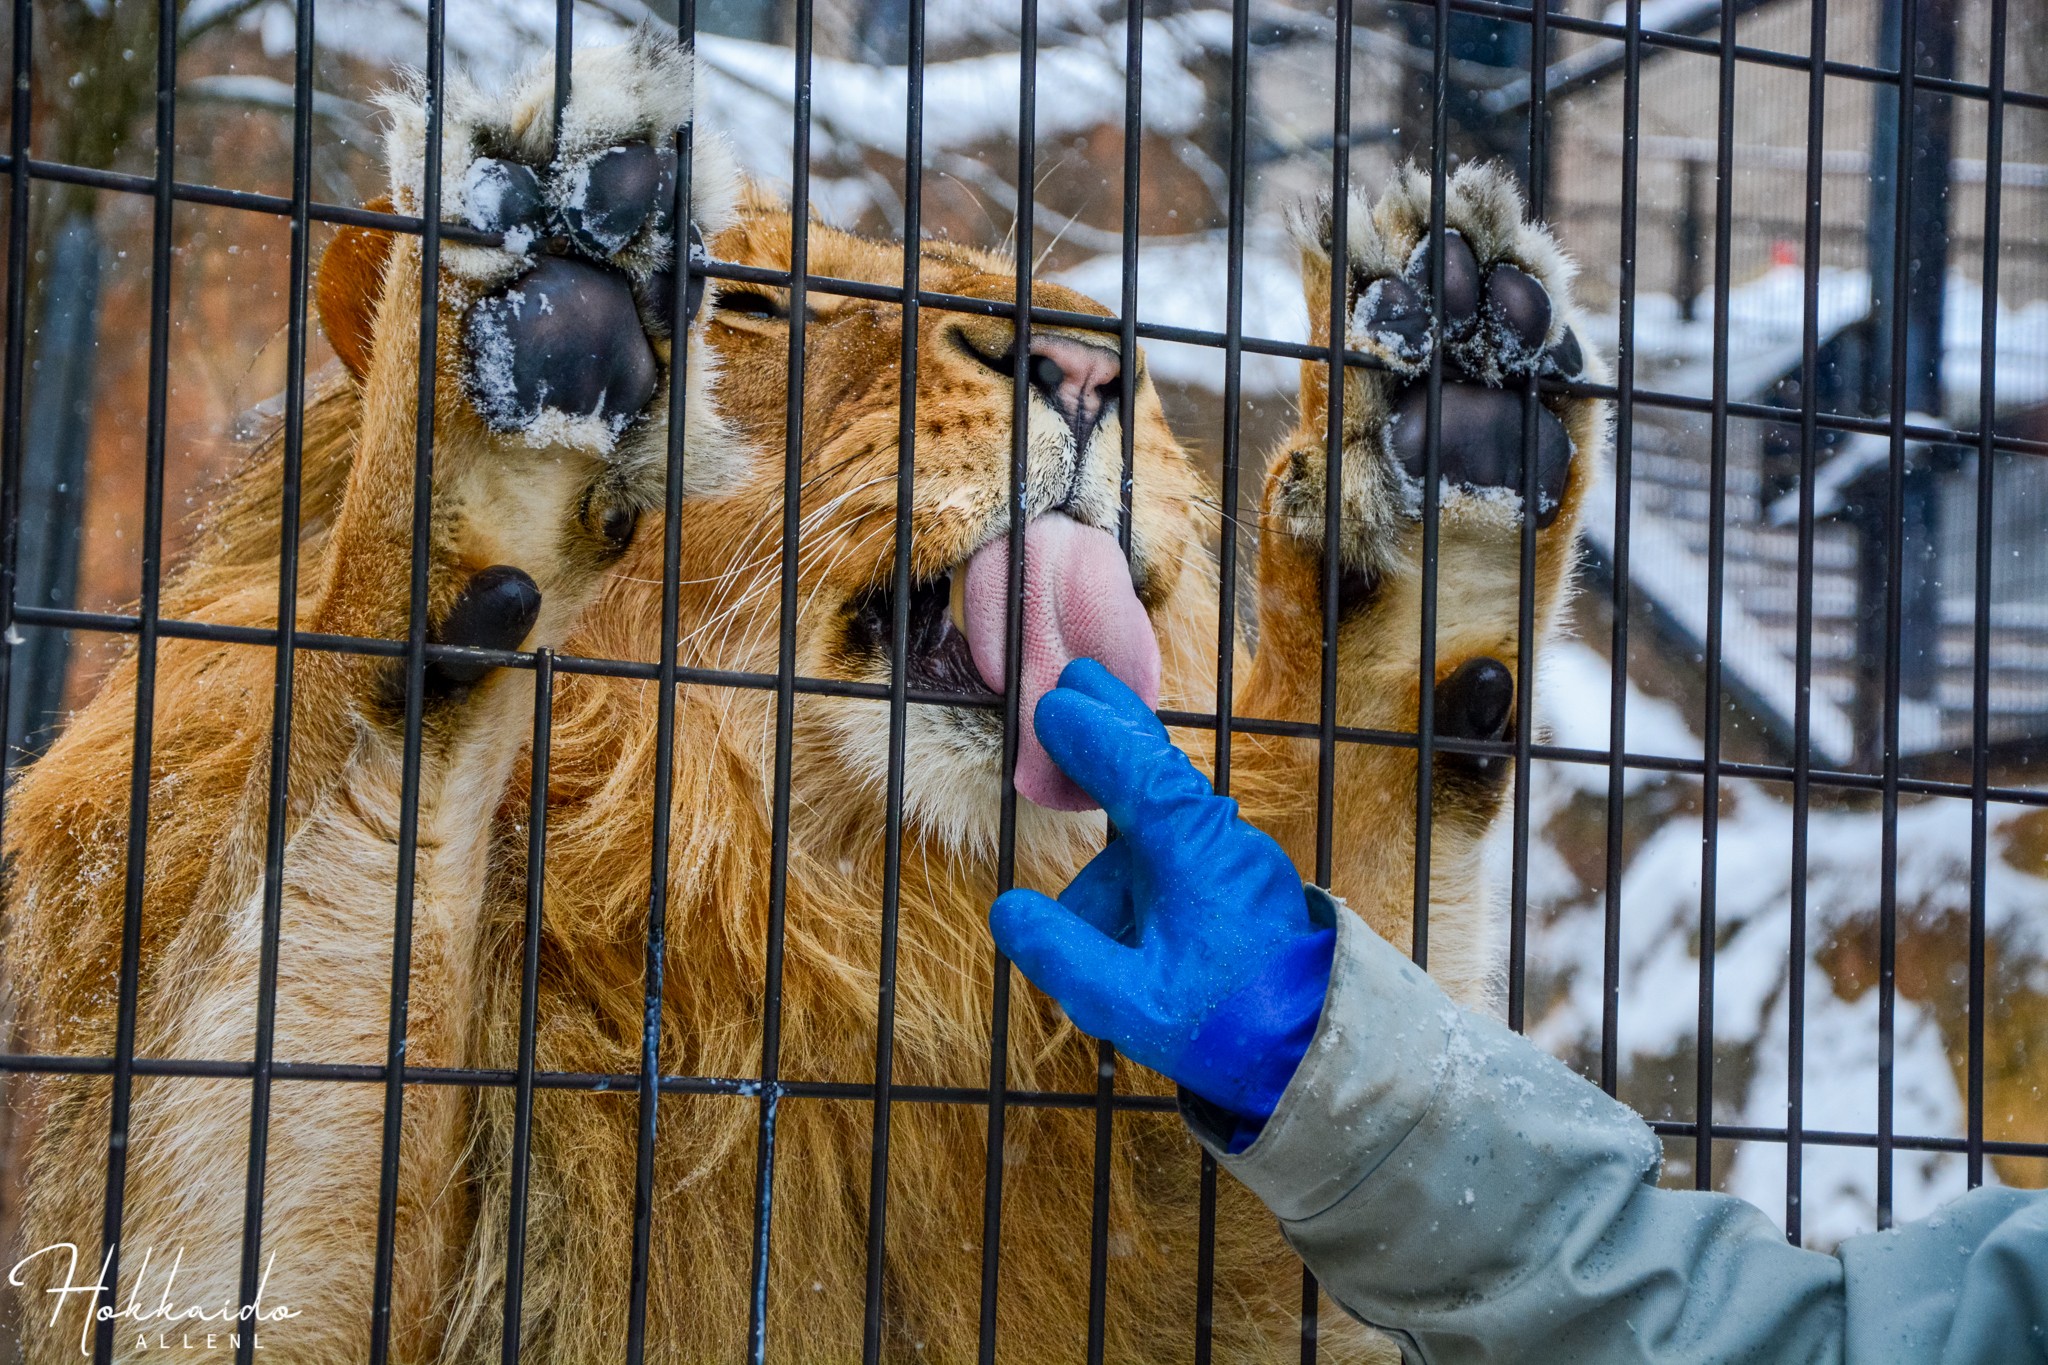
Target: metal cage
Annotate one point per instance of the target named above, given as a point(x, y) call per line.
point(1810, 430)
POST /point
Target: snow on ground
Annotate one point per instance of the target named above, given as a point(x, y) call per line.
point(967, 102)
point(1181, 283)
point(1659, 1000)
point(1766, 323)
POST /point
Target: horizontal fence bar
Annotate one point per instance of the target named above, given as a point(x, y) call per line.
point(1054, 317)
point(865, 691)
point(747, 1087)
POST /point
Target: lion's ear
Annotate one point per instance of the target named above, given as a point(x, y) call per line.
point(351, 278)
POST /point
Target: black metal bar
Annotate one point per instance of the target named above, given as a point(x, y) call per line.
point(666, 674)
point(1226, 578)
point(39, 617)
point(282, 686)
point(1432, 480)
point(529, 1000)
point(1013, 651)
point(1127, 430)
point(785, 693)
point(565, 47)
point(21, 111)
point(851, 1091)
point(1333, 520)
point(1802, 722)
point(106, 1325)
point(899, 689)
point(1525, 618)
point(1894, 609)
point(415, 688)
point(1624, 484)
point(1980, 662)
point(1717, 555)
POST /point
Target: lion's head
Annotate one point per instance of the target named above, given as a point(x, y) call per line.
point(1080, 594)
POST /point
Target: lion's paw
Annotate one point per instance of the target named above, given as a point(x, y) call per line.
point(566, 324)
point(1505, 317)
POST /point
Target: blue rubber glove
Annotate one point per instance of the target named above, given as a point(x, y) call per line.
point(1187, 942)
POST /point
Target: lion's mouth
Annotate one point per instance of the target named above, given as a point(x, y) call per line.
point(1078, 601)
point(939, 657)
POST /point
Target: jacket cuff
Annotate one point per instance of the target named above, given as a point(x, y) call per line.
point(1371, 1073)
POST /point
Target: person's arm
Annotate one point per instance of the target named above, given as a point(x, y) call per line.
point(1451, 1183)
point(1445, 1179)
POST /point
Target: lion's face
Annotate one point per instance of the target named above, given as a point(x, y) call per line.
point(1085, 598)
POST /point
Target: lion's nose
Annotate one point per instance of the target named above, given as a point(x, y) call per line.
point(1079, 380)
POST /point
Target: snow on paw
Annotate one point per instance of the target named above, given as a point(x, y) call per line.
point(566, 325)
point(1505, 316)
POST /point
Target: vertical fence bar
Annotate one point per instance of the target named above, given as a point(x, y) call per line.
point(1717, 563)
point(529, 995)
point(1127, 427)
point(681, 267)
point(1980, 669)
point(1624, 482)
point(1333, 521)
point(785, 690)
point(106, 1325)
point(1802, 691)
point(1894, 612)
point(415, 687)
point(1013, 652)
point(899, 654)
point(1226, 612)
point(282, 687)
point(565, 49)
point(1432, 477)
point(20, 109)
point(1525, 619)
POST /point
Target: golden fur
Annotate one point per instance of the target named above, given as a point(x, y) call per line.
point(498, 501)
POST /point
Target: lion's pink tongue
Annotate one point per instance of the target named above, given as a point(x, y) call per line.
point(1078, 602)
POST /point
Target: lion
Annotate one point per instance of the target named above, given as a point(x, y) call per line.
point(556, 376)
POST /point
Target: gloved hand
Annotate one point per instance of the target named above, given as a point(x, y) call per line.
point(1187, 942)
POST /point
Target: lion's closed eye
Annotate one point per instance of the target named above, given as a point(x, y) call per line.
point(751, 303)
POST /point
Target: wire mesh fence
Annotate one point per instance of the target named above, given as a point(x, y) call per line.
point(1810, 587)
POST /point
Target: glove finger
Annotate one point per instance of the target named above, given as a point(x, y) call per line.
point(1091, 679)
point(1101, 892)
point(1126, 763)
point(1066, 957)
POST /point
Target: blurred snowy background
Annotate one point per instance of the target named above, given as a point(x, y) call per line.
point(86, 431)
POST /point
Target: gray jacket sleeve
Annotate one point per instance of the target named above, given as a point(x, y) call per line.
point(1453, 1185)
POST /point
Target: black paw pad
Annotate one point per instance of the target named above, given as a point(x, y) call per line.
point(1482, 442)
point(1520, 307)
point(495, 610)
point(606, 200)
point(1461, 280)
point(1391, 314)
point(1476, 701)
point(503, 196)
point(565, 336)
point(1567, 359)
